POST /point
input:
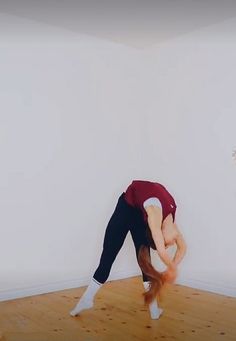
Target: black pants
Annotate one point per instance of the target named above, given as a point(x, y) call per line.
point(125, 218)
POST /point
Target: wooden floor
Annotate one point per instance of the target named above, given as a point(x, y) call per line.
point(120, 314)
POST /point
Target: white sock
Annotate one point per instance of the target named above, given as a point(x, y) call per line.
point(86, 301)
point(154, 310)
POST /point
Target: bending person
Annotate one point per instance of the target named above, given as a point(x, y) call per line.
point(147, 210)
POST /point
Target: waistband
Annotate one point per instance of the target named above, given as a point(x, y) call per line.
point(134, 209)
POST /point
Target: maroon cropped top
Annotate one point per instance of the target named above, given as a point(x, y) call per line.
point(139, 191)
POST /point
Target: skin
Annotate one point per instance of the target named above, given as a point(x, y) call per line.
point(165, 234)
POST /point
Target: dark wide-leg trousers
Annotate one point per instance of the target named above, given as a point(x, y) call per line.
point(125, 218)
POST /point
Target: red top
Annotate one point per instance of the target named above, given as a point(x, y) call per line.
point(140, 190)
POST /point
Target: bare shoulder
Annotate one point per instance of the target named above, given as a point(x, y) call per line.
point(153, 210)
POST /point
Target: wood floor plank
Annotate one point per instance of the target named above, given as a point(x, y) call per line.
point(119, 313)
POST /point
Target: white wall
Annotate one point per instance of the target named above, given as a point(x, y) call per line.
point(80, 118)
point(192, 132)
point(70, 142)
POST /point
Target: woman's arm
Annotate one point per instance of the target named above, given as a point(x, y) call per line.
point(181, 248)
point(155, 221)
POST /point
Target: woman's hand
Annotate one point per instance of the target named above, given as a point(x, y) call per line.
point(169, 276)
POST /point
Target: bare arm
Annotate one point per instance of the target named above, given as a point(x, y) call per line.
point(155, 222)
point(181, 248)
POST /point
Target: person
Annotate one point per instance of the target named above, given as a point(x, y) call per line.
point(147, 210)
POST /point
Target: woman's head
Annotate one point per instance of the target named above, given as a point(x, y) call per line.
point(169, 232)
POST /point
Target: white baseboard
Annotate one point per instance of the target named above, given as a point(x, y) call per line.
point(11, 294)
point(218, 288)
point(206, 285)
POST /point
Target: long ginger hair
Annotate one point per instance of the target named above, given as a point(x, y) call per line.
point(156, 278)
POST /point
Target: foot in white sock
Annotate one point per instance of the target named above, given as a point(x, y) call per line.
point(86, 301)
point(80, 306)
point(154, 310)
